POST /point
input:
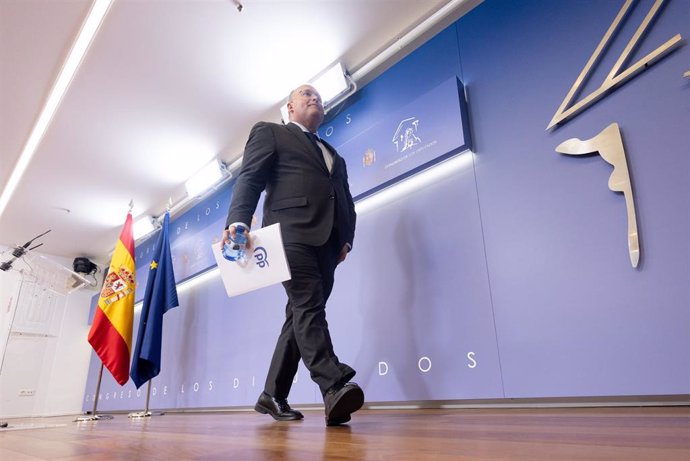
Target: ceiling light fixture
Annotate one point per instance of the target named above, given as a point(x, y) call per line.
point(206, 178)
point(69, 69)
point(144, 226)
point(333, 83)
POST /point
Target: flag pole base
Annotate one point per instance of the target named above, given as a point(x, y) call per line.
point(85, 418)
point(145, 414)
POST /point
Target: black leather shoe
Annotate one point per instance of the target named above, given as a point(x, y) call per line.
point(278, 408)
point(341, 401)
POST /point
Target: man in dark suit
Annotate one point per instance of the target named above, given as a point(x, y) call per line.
point(307, 192)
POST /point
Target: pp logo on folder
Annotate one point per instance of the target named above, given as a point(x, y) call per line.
point(266, 265)
point(261, 257)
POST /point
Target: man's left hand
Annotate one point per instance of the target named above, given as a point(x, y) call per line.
point(343, 253)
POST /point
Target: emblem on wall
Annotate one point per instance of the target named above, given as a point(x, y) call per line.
point(369, 157)
point(405, 136)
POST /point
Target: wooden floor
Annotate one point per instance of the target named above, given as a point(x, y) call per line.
point(626, 434)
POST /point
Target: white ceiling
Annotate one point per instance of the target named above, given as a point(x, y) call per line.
point(166, 86)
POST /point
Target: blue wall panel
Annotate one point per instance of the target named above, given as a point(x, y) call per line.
point(573, 317)
point(414, 295)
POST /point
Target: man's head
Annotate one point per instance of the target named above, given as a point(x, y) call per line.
point(305, 107)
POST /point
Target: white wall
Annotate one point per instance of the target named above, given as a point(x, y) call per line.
point(46, 351)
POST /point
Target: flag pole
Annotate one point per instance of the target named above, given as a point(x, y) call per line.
point(93, 416)
point(146, 413)
point(98, 390)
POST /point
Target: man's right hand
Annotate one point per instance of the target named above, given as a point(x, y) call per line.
point(230, 233)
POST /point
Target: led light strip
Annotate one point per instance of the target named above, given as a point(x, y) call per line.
point(403, 188)
point(69, 68)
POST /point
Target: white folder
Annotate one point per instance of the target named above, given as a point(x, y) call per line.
point(265, 265)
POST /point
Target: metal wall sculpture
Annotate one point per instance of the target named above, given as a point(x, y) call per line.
point(608, 143)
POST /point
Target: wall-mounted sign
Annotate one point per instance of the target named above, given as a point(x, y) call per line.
point(421, 132)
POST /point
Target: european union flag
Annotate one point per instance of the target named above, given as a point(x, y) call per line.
point(160, 296)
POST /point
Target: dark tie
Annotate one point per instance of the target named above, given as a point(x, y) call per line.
point(313, 138)
point(325, 153)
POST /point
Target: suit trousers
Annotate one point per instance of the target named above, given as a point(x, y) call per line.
point(305, 334)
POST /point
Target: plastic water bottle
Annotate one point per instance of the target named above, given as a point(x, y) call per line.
point(235, 249)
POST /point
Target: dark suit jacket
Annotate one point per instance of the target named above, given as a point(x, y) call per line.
point(301, 194)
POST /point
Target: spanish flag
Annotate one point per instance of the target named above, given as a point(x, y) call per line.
point(111, 331)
